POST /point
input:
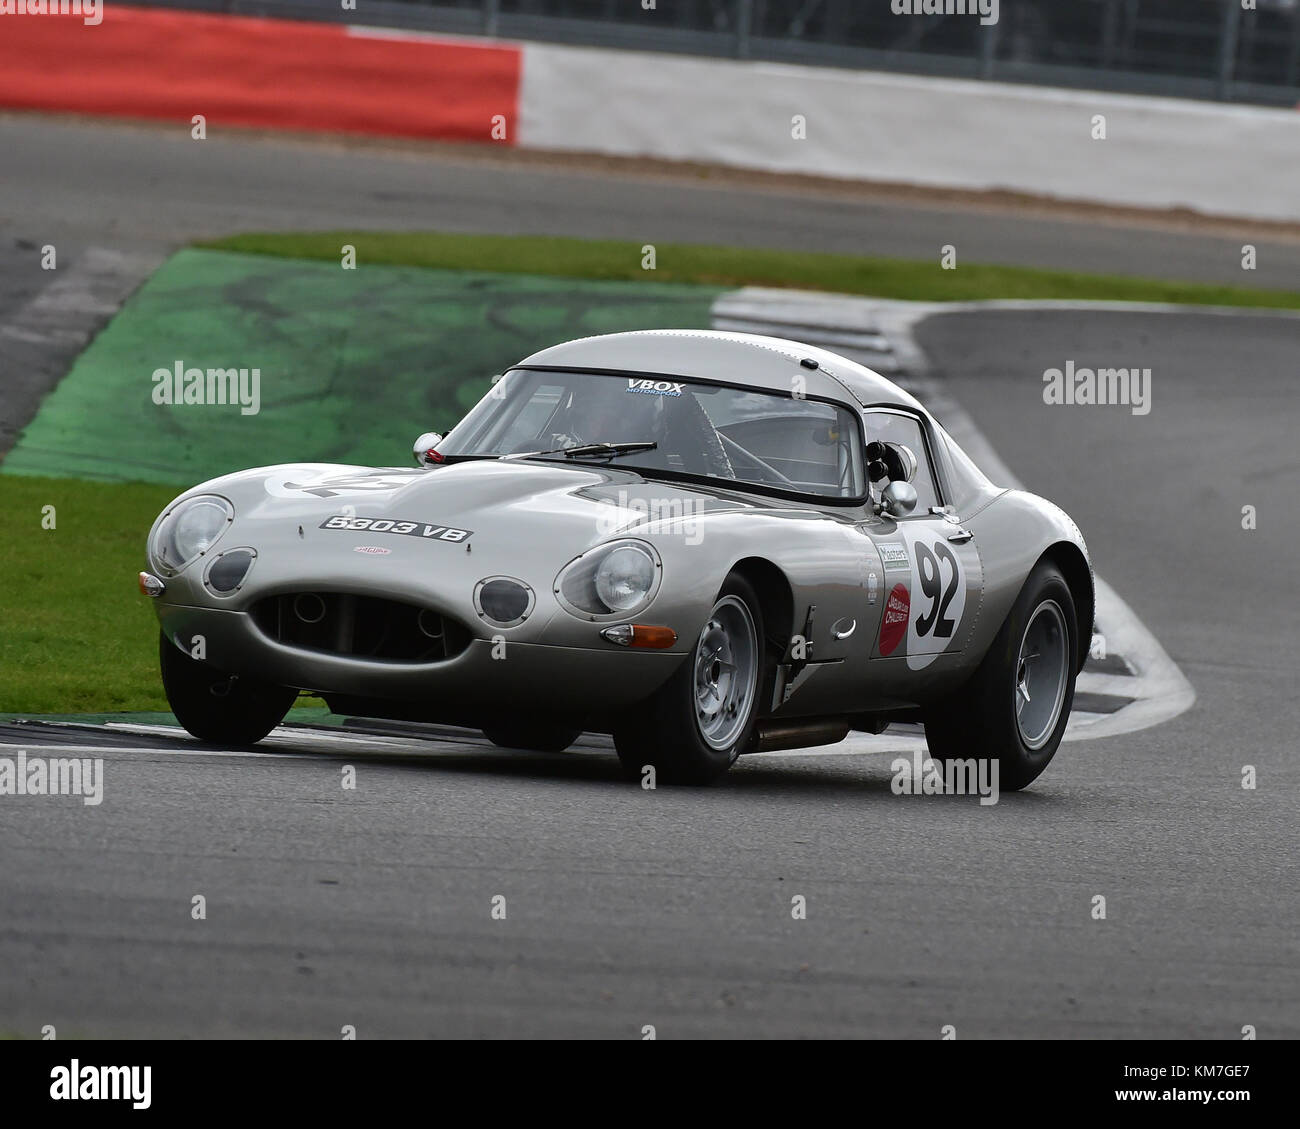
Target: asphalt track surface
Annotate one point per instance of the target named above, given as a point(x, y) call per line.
point(373, 907)
point(143, 187)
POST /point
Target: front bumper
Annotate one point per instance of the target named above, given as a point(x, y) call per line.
point(496, 676)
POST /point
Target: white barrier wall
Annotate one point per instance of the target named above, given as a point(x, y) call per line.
point(949, 133)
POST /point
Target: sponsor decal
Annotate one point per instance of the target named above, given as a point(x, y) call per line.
point(422, 529)
point(873, 586)
point(656, 387)
point(894, 555)
point(372, 550)
point(893, 627)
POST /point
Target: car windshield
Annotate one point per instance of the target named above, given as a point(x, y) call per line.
point(739, 435)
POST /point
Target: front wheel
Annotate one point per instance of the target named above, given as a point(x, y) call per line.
point(1017, 704)
point(217, 707)
point(704, 716)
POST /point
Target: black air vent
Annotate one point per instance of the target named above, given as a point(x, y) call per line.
point(363, 626)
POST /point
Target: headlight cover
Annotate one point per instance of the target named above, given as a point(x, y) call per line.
point(228, 570)
point(190, 530)
point(617, 579)
point(503, 601)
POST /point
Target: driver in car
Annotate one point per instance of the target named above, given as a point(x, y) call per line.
point(601, 416)
point(612, 412)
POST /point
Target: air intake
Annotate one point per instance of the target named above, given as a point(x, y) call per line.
point(365, 627)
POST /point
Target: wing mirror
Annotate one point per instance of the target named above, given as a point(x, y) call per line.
point(423, 449)
point(906, 462)
point(898, 499)
point(894, 461)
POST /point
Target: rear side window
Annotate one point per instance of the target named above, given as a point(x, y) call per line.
point(894, 427)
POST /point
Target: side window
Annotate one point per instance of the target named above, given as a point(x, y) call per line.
point(891, 427)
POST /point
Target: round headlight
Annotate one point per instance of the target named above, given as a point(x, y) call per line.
point(624, 578)
point(191, 529)
point(611, 580)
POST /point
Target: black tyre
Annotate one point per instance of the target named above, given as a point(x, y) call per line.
point(541, 737)
point(1017, 704)
point(218, 707)
point(705, 715)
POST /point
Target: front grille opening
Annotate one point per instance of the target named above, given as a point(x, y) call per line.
point(365, 626)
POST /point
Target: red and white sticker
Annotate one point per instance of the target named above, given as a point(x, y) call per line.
point(894, 624)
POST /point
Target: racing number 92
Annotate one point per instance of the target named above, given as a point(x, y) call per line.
point(933, 587)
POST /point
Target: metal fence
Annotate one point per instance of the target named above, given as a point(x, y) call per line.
point(1188, 48)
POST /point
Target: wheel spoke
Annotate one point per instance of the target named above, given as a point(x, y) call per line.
point(726, 659)
point(1041, 674)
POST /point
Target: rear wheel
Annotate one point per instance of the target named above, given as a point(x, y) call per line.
point(1017, 704)
point(542, 737)
point(217, 707)
point(705, 715)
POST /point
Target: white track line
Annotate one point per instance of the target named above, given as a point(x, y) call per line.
point(39, 749)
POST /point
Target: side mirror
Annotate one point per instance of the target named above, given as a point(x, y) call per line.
point(894, 461)
point(423, 449)
point(907, 462)
point(899, 499)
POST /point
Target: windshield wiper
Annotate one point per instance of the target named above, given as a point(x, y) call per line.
point(591, 450)
point(608, 450)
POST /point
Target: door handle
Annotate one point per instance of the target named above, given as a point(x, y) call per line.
point(960, 536)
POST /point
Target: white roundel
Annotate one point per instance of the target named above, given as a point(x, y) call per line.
point(938, 596)
point(308, 481)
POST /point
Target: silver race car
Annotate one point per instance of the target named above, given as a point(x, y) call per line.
point(704, 544)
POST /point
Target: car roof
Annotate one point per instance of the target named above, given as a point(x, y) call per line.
point(729, 358)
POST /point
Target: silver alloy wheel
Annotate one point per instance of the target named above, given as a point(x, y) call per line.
point(726, 673)
point(1042, 671)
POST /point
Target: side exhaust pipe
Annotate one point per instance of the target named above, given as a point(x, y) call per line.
point(800, 734)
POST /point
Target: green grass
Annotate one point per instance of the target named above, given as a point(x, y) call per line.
point(742, 266)
point(395, 350)
point(76, 636)
point(353, 364)
point(75, 633)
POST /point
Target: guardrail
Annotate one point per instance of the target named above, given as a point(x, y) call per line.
point(1210, 49)
point(236, 70)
